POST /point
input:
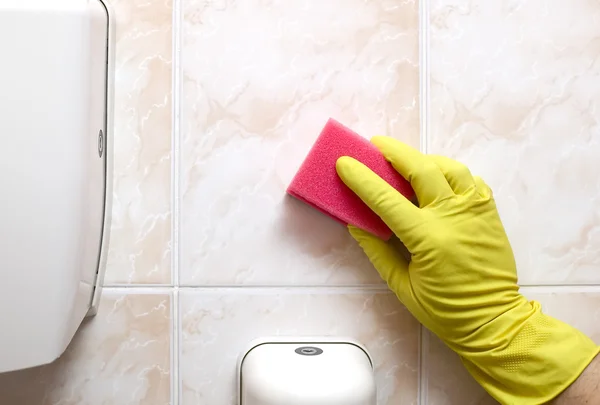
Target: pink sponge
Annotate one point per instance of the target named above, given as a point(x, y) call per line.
point(318, 184)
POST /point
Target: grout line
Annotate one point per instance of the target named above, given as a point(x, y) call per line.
point(137, 286)
point(175, 355)
point(424, 76)
point(367, 287)
point(573, 288)
point(295, 289)
point(419, 364)
point(140, 289)
point(175, 201)
point(175, 141)
point(172, 362)
point(423, 366)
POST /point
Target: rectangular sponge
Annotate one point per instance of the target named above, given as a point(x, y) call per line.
point(318, 184)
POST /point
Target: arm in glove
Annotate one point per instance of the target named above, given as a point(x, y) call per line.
point(461, 279)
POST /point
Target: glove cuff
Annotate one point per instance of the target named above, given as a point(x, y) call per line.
point(541, 358)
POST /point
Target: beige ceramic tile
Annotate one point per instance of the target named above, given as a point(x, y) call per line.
point(515, 95)
point(261, 77)
point(217, 327)
point(141, 222)
point(448, 381)
point(120, 357)
point(579, 308)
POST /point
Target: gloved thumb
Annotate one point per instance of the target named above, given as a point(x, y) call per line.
point(387, 260)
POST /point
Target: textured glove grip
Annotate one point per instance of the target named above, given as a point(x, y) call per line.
point(541, 360)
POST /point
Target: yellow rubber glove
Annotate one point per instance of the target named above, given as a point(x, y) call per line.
point(461, 280)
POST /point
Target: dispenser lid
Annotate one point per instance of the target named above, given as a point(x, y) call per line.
point(300, 371)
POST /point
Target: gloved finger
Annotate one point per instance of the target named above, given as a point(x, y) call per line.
point(388, 261)
point(482, 188)
point(424, 176)
point(392, 207)
point(458, 175)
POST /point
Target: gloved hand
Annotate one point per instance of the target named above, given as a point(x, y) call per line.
point(461, 279)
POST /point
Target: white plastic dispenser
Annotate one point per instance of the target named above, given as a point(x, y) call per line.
point(306, 371)
point(55, 172)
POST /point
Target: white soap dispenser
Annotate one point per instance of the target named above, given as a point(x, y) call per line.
point(55, 172)
point(306, 371)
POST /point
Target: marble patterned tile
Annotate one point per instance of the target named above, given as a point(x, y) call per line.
point(120, 357)
point(515, 94)
point(260, 79)
point(448, 381)
point(218, 326)
point(140, 249)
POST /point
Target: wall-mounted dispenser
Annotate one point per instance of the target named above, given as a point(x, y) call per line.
point(55, 172)
point(306, 371)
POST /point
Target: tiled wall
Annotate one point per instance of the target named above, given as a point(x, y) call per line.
point(215, 112)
